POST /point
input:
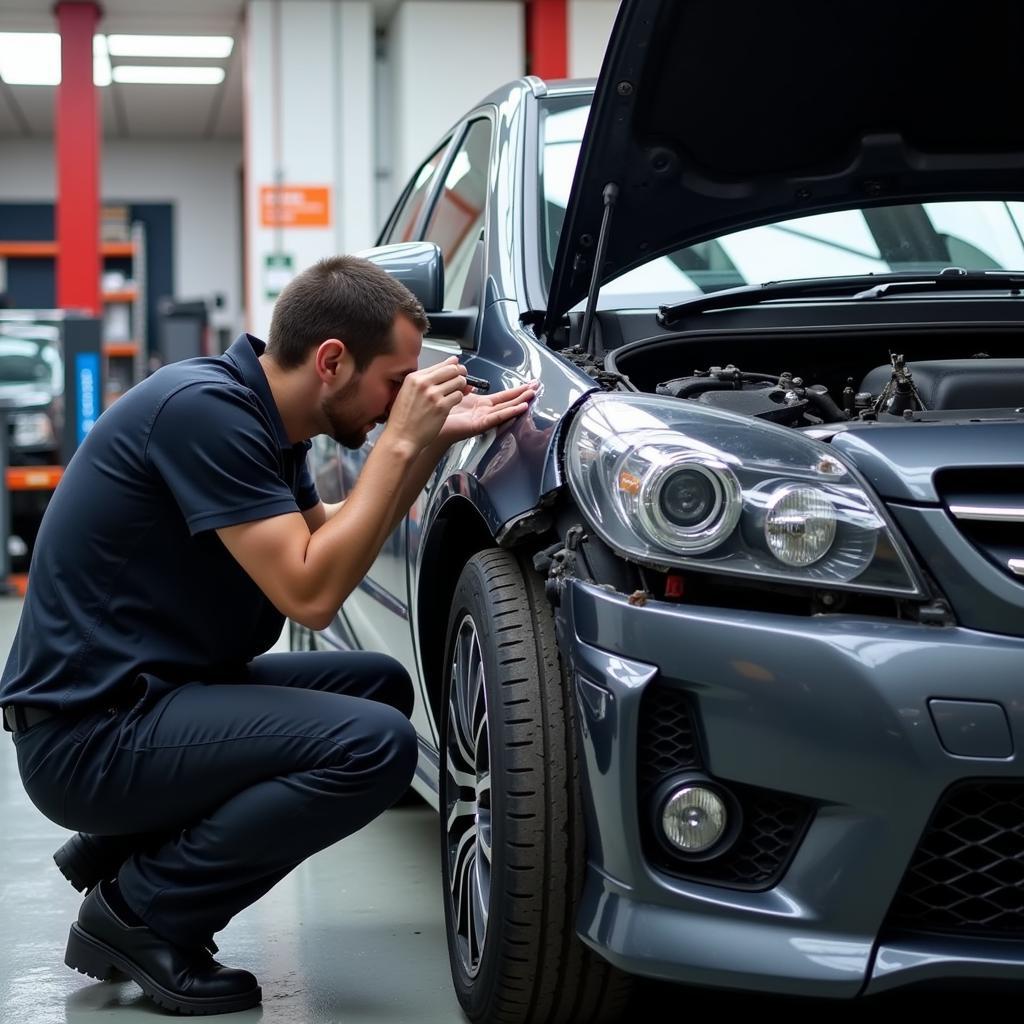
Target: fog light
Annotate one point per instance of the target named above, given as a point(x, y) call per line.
point(694, 819)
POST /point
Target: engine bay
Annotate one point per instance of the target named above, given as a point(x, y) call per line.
point(810, 385)
point(899, 391)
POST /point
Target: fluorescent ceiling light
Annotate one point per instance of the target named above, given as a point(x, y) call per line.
point(149, 75)
point(33, 58)
point(100, 61)
point(215, 47)
point(30, 58)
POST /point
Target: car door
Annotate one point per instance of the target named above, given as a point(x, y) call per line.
point(456, 224)
point(378, 612)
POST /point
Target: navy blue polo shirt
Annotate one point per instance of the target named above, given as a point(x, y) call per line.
point(127, 575)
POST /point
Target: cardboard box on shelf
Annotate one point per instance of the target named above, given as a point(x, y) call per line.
point(117, 322)
point(114, 224)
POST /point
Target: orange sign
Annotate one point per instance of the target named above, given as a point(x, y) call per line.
point(295, 206)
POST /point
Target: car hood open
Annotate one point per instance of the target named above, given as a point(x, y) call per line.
point(710, 117)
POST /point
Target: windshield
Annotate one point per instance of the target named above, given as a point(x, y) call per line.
point(927, 237)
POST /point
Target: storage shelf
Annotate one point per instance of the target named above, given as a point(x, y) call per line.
point(115, 349)
point(48, 250)
point(33, 478)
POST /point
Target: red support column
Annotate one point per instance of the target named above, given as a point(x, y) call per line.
point(77, 140)
point(547, 46)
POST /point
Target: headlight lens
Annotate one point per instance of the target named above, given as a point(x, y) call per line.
point(800, 525)
point(686, 501)
point(31, 429)
point(671, 483)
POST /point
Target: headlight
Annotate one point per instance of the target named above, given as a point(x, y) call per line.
point(674, 484)
point(800, 525)
point(686, 501)
point(31, 429)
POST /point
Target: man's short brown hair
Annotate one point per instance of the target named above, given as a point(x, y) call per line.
point(341, 297)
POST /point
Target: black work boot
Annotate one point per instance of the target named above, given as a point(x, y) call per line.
point(184, 980)
point(86, 860)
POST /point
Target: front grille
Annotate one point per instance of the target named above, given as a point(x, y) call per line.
point(987, 506)
point(668, 738)
point(967, 875)
point(773, 823)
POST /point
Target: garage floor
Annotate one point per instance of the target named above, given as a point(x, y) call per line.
point(354, 935)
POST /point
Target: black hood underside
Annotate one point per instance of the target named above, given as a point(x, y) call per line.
point(714, 116)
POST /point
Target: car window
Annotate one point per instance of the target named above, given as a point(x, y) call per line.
point(403, 222)
point(458, 217)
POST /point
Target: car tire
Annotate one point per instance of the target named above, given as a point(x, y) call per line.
point(509, 786)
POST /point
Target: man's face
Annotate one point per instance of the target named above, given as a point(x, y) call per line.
point(365, 399)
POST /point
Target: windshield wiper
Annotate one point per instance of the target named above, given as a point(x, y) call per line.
point(864, 286)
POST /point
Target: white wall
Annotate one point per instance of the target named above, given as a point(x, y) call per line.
point(590, 25)
point(310, 72)
point(199, 179)
point(445, 56)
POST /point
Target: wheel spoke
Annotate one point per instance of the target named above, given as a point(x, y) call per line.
point(462, 748)
point(465, 809)
point(482, 783)
point(484, 842)
point(462, 881)
point(468, 796)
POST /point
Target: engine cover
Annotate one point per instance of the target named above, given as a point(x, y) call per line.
point(960, 383)
point(765, 403)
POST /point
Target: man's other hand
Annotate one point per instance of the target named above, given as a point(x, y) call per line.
point(476, 414)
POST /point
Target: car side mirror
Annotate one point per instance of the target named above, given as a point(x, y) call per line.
point(418, 265)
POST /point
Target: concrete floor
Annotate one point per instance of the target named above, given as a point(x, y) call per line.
point(354, 935)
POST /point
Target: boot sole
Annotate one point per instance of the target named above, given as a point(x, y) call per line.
point(94, 958)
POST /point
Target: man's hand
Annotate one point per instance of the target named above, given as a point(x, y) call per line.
point(476, 414)
point(424, 402)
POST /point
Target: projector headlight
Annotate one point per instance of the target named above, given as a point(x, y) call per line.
point(676, 484)
point(688, 501)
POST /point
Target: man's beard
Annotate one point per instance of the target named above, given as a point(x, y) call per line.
point(342, 429)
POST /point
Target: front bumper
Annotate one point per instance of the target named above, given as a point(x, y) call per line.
point(833, 710)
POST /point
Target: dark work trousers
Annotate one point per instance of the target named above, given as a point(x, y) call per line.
point(224, 787)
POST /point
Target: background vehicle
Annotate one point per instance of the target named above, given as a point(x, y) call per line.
point(31, 390)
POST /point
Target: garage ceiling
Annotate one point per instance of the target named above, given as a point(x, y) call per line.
point(143, 111)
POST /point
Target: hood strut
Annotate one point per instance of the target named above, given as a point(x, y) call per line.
point(611, 193)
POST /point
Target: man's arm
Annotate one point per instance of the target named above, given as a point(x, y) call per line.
point(320, 513)
point(308, 575)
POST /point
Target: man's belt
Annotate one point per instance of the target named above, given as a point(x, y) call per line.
point(18, 718)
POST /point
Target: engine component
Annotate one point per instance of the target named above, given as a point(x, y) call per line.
point(979, 383)
point(782, 399)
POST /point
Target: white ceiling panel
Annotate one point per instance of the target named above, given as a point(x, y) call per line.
point(138, 111)
point(187, 16)
point(152, 110)
point(10, 121)
point(167, 111)
point(36, 103)
point(112, 128)
point(227, 123)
